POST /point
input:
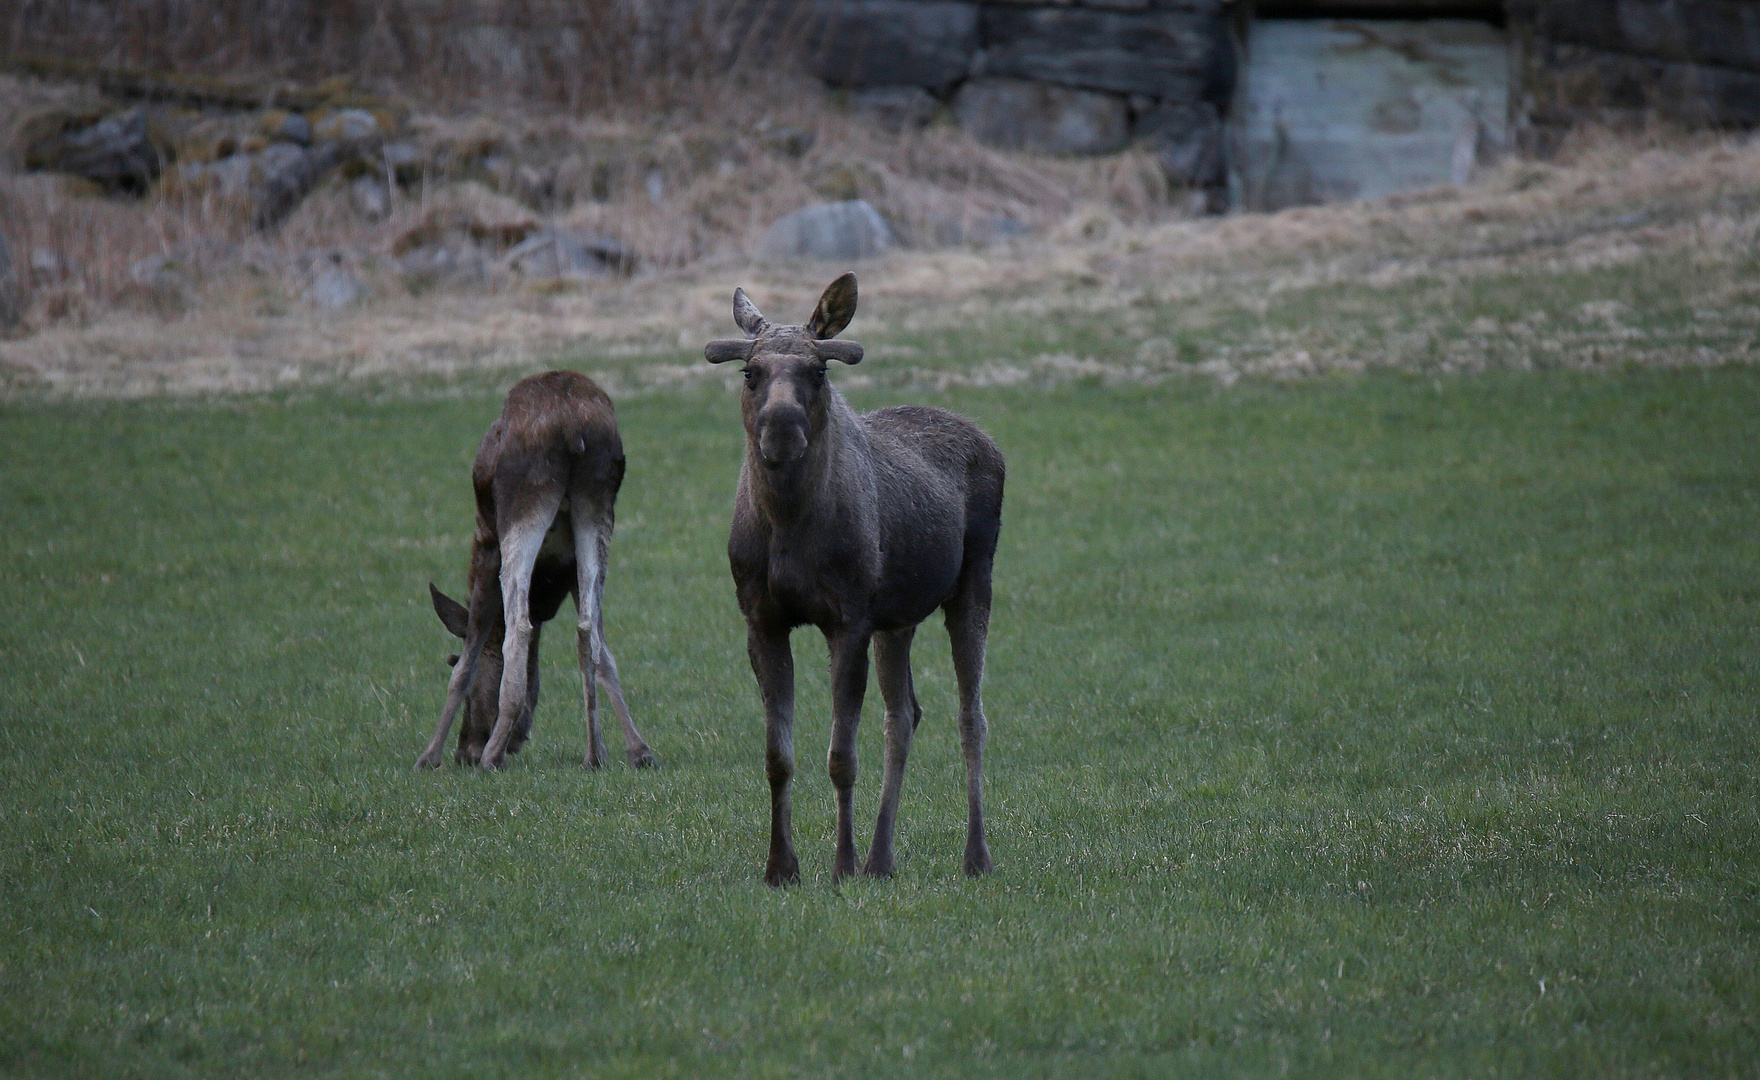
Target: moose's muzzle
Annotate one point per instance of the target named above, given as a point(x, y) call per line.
point(782, 434)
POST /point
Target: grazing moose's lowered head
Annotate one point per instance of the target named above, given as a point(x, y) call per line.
point(482, 702)
point(860, 525)
point(546, 480)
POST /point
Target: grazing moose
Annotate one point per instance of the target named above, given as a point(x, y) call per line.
point(862, 526)
point(546, 480)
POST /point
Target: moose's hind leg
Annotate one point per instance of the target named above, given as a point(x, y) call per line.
point(968, 629)
point(520, 543)
point(522, 728)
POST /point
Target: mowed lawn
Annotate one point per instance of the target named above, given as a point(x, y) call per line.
point(1377, 726)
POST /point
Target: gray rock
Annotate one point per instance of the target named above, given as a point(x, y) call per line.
point(273, 180)
point(1165, 54)
point(294, 128)
point(404, 159)
point(841, 230)
point(117, 153)
point(449, 260)
point(333, 286)
point(369, 196)
point(569, 255)
point(230, 175)
point(282, 175)
point(1187, 139)
point(161, 282)
point(46, 265)
point(349, 126)
point(928, 43)
point(1018, 115)
point(894, 107)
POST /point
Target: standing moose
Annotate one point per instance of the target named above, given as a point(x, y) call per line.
point(861, 525)
point(546, 480)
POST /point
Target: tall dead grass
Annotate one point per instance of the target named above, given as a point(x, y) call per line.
point(674, 188)
point(592, 55)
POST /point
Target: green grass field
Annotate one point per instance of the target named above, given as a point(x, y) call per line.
point(1373, 726)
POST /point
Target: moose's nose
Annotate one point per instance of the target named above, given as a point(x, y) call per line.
point(782, 437)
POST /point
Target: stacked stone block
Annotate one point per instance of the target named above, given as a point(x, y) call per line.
point(1690, 62)
point(1077, 77)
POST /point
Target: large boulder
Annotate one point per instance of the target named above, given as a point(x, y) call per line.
point(117, 152)
point(852, 229)
point(1166, 54)
point(1015, 114)
point(927, 43)
point(1187, 139)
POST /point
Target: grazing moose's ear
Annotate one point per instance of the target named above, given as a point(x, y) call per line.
point(836, 308)
point(720, 352)
point(452, 613)
point(747, 315)
point(847, 351)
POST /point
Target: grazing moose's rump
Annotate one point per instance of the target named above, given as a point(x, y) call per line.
point(546, 480)
point(861, 526)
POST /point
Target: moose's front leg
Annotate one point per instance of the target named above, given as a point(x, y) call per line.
point(773, 664)
point(849, 683)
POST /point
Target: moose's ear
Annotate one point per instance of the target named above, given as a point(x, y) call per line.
point(836, 308)
point(720, 352)
point(452, 614)
point(747, 315)
point(847, 351)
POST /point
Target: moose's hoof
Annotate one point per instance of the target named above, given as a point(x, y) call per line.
point(643, 759)
point(878, 868)
point(977, 862)
point(782, 872)
point(427, 761)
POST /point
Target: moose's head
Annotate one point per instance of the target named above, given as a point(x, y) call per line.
point(786, 395)
point(482, 701)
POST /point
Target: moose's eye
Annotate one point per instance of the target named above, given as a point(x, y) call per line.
point(818, 374)
point(751, 375)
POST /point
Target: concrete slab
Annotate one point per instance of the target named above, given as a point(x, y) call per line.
point(1337, 109)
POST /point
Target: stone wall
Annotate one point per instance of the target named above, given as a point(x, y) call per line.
point(1624, 62)
point(1075, 77)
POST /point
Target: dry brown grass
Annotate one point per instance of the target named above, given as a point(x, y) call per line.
point(1107, 251)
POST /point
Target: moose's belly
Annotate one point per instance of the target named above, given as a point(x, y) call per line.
point(915, 584)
